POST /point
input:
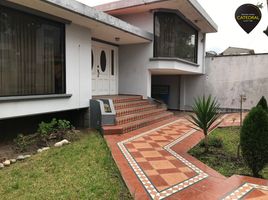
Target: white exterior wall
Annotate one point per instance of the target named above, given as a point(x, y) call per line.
point(134, 76)
point(227, 77)
point(135, 67)
point(144, 20)
point(78, 80)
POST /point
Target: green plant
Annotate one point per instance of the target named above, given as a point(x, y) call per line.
point(216, 142)
point(263, 103)
point(45, 129)
point(63, 125)
point(213, 142)
point(107, 108)
point(22, 142)
point(254, 140)
point(206, 112)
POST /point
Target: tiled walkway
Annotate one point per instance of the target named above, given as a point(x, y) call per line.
point(155, 165)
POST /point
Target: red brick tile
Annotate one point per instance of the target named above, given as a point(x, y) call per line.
point(165, 171)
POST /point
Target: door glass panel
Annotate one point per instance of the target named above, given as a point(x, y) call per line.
point(92, 59)
point(112, 63)
point(103, 61)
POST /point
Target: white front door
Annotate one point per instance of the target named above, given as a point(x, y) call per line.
point(104, 69)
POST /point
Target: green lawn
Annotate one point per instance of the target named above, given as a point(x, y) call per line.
point(81, 170)
point(224, 159)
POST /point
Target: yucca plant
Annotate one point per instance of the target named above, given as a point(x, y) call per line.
point(205, 113)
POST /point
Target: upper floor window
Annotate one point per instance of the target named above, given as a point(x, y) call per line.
point(32, 54)
point(173, 37)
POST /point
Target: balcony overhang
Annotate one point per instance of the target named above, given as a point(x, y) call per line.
point(103, 26)
point(173, 66)
point(190, 9)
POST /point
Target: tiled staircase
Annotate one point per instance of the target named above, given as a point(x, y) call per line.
point(133, 112)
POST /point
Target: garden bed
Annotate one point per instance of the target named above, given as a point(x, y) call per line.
point(224, 159)
point(83, 169)
point(46, 136)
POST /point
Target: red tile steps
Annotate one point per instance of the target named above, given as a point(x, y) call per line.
point(133, 112)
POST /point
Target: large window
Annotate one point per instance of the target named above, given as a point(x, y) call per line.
point(32, 54)
point(174, 37)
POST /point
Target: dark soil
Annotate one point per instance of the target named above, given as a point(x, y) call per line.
point(9, 150)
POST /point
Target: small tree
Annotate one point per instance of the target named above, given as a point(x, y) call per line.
point(206, 112)
point(254, 140)
point(263, 103)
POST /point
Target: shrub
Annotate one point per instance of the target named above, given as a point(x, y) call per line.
point(53, 129)
point(216, 142)
point(22, 142)
point(63, 125)
point(263, 103)
point(44, 129)
point(213, 142)
point(254, 140)
point(206, 113)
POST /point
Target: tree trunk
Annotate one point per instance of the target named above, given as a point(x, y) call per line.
point(255, 173)
point(206, 143)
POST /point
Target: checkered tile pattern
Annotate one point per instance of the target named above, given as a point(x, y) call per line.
point(249, 191)
point(160, 169)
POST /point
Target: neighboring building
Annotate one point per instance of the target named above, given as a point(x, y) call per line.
point(237, 51)
point(211, 53)
point(55, 55)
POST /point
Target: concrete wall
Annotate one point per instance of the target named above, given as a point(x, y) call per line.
point(174, 88)
point(78, 80)
point(226, 78)
point(134, 77)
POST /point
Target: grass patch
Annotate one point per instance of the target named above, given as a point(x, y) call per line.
point(224, 159)
point(82, 170)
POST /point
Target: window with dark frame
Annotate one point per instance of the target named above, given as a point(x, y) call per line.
point(174, 37)
point(32, 54)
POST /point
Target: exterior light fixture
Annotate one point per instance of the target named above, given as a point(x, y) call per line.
point(117, 39)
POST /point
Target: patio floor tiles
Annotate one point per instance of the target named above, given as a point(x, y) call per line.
point(162, 168)
point(257, 195)
point(245, 187)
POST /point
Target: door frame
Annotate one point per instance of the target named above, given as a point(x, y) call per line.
point(109, 48)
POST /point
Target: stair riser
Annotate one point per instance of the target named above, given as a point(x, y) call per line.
point(135, 118)
point(146, 123)
point(121, 113)
point(125, 100)
point(130, 105)
point(112, 132)
point(141, 125)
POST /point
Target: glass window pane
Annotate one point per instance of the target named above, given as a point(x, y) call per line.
point(92, 59)
point(32, 54)
point(103, 61)
point(112, 63)
point(174, 37)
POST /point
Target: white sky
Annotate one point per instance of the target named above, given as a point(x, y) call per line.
point(229, 32)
